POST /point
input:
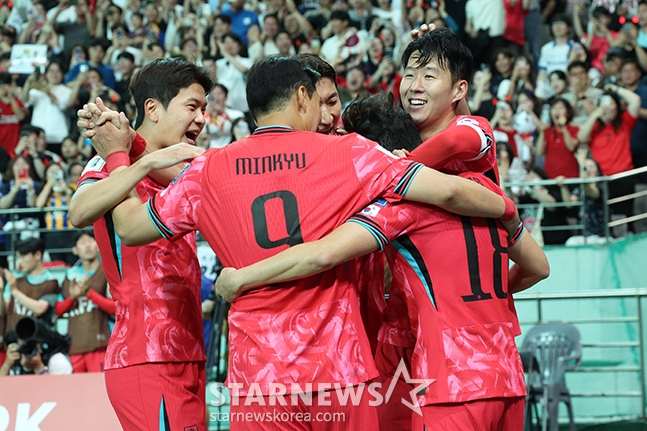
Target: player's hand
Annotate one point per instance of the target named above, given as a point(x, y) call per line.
point(112, 136)
point(401, 153)
point(93, 115)
point(171, 156)
point(422, 30)
point(226, 286)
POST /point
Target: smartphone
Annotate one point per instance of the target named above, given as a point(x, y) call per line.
point(120, 34)
point(83, 68)
point(58, 175)
point(23, 173)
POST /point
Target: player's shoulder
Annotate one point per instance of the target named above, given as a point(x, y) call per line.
point(472, 120)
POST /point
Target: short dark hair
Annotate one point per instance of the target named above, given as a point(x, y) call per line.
point(599, 11)
point(341, 15)
point(446, 49)
point(573, 64)
point(377, 119)
point(79, 234)
point(31, 245)
point(224, 18)
point(5, 78)
point(162, 80)
point(127, 55)
point(563, 17)
point(319, 65)
point(271, 83)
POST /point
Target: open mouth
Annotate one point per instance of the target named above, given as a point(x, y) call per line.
point(191, 137)
point(417, 102)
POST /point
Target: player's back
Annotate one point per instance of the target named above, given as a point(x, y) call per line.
point(276, 189)
point(452, 274)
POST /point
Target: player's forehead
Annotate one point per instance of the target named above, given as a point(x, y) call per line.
point(193, 93)
point(423, 61)
point(326, 88)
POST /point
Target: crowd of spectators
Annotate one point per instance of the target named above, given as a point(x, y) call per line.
point(552, 76)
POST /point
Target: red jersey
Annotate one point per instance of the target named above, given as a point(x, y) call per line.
point(466, 145)
point(10, 126)
point(611, 148)
point(367, 273)
point(559, 159)
point(253, 199)
point(156, 289)
point(461, 312)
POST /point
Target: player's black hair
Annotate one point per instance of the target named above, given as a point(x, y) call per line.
point(446, 49)
point(272, 82)
point(162, 80)
point(377, 119)
point(319, 65)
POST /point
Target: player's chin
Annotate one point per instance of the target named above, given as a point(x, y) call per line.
point(324, 130)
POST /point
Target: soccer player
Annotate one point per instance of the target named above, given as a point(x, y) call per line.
point(328, 93)
point(437, 70)
point(85, 289)
point(157, 338)
point(279, 187)
point(453, 274)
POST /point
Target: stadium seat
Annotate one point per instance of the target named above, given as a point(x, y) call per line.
point(548, 351)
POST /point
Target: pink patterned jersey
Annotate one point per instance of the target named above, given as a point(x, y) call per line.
point(453, 273)
point(156, 289)
point(473, 145)
point(260, 195)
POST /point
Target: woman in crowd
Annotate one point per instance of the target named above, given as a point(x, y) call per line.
point(558, 142)
point(49, 98)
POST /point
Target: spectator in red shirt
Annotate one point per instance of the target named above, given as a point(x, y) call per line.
point(559, 141)
point(12, 113)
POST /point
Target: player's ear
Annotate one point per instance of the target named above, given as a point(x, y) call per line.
point(460, 90)
point(302, 99)
point(151, 109)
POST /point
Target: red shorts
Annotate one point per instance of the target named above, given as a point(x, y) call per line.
point(91, 362)
point(298, 415)
point(159, 396)
point(393, 414)
point(494, 414)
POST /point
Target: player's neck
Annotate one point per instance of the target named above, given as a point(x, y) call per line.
point(437, 126)
point(283, 118)
point(147, 132)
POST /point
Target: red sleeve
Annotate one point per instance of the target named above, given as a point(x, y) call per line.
point(107, 305)
point(64, 306)
point(452, 143)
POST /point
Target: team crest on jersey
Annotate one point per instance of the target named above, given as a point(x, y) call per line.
point(374, 208)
